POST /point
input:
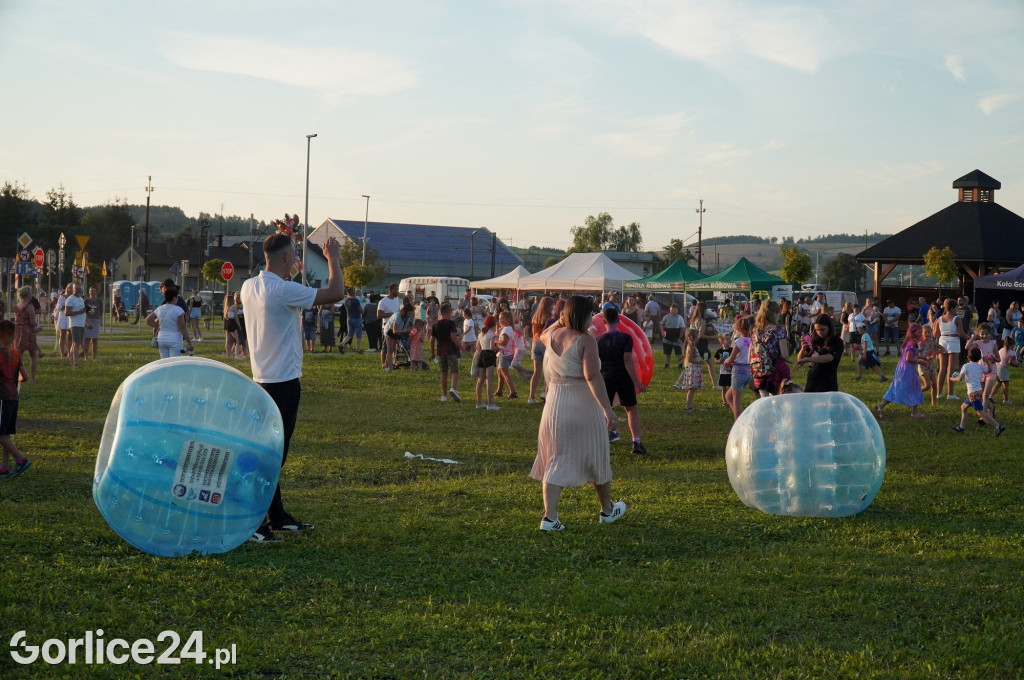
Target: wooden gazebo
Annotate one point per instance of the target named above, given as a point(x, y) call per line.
point(985, 237)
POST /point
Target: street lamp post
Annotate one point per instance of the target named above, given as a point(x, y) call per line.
point(366, 221)
point(131, 256)
point(471, 252)
point(306, 219)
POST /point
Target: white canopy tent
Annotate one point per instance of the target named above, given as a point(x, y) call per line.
point(580, 271)
point(505, 281)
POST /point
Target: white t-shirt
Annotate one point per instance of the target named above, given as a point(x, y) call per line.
point(973, 373)
point(62, 319)
point(167, 315)
point(272, 323)
point(73, 303)
point(892, 315)
point(388, 306)
point(509, 348)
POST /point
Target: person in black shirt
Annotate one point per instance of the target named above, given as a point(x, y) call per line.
point(615, 348)
point(444, 344)
point(821, 352)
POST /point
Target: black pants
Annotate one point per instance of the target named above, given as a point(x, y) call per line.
point(286, 395)
point(373, 334)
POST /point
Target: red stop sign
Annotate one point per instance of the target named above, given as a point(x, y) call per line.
point(40, 257)
point(227, 270)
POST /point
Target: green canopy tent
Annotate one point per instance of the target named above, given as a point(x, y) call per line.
point(743, 276)
point(675, 277)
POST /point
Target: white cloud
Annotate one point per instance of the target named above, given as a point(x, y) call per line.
point(645, 137)
point(334, 73)
point(954, 66)
point(799, 38)
point(997, 101)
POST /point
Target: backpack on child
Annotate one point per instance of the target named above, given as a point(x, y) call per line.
point(761, 363)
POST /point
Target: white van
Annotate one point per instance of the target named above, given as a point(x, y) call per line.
point(837, 298)
point(449, 288)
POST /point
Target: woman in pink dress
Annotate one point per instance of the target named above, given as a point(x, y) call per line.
point(26, 326)
point(572, 442)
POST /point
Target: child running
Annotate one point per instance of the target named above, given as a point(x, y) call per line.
point(971, 374)
point(10, 372)
point(444, 344)
point(692, 377)
point(868, 356)
point(906, 387)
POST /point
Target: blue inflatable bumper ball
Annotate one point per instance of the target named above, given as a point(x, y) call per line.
point(806, 455)
point(190, 457)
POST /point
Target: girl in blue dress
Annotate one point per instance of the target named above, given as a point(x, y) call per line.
point(906, 385)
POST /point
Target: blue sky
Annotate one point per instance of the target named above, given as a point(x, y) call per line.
point(786, 118)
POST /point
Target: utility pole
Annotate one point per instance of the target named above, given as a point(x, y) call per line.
point(145, 255)
point(366, 221)
point(494, 248)
point(700, 233)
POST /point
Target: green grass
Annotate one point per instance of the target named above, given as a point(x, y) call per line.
point(425, 570)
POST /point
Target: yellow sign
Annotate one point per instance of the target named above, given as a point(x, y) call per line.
point(78, 258)
point(104, 267)
point(82, 240)
point(24, 240)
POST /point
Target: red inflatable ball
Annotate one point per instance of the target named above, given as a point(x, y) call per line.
point(643, 357)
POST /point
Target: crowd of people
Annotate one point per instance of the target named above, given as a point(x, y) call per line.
point(756, 348)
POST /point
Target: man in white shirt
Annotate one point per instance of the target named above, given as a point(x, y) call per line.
point(891, 328)
point(387, 307)
point(272, 307)
point(74, 310)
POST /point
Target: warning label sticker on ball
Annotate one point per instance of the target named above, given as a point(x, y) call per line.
point(202, 472)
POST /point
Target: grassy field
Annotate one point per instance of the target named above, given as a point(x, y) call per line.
point(418, 569)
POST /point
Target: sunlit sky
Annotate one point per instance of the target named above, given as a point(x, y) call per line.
point(523, 116)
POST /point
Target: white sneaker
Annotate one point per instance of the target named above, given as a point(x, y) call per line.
point(444, 399)
point(493, 407)
point(481, 405)
point(455, 395)
point(532, 401)
point(551, 525)
point(618, 510)
point(952, 396)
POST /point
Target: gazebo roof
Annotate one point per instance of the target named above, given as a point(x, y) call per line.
point(979, 232)
point(977, 179)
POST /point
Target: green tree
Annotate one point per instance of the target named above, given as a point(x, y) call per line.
point(594, 235)
point(211, 271)
point(357, 275)
point(17, 213)
point(796, 266)
point(675, 250)
point(941, 265)
point(842, 272)
point(626, 239)
point(109, 230)
point(599, 233)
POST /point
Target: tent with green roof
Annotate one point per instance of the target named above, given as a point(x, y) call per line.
point(677, 276)
point(743, 275)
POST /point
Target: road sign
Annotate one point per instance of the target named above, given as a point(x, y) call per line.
point(79, 271)
point(227, 270)
point(24, 240)
point(40, 257)
point(24, 255)
point(82, 240)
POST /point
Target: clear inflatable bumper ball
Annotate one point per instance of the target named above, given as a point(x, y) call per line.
point(190, 457)
point(806, 455)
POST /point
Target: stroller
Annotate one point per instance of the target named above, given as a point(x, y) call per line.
point(119, 312)
point(402, 353)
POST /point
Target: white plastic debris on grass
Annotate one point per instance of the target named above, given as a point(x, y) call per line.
point(420, 456)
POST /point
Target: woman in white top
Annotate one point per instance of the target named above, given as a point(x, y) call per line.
point(949, 332)
point(169, 320)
